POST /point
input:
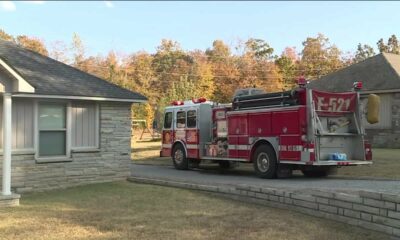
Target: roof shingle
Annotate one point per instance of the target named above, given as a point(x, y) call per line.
point(380, 72)
point(50, 77)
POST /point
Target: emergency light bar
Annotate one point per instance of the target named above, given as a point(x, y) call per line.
point(357, 85)
point(177, 103)
point(199, 100)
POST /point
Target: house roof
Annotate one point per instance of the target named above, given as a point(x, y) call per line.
point(380, 72)
point(51, 77)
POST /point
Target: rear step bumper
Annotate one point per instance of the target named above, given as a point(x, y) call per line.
point(331, 163)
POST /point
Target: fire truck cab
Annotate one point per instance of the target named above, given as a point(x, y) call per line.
point(302, 129)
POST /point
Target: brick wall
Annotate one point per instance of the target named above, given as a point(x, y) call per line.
point(111, 162)
point(388, 138)
point(370, 210)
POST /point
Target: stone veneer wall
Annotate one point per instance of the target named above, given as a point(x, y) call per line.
point(388, 138)
point(371, 210)
point(111, 162)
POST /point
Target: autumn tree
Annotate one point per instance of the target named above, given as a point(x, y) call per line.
point(319, 57)
point(259, 48)
point(363, 52)
point(59, 51)
point(6, 36)
point(287, 63)
point(33, 44)
point(225, 71)
point(392, 45)
point(78, 52)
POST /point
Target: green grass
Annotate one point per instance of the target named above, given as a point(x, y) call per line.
point(123, 210)
point(386, 164)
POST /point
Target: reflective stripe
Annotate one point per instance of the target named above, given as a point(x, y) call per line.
point(166, 145)
point(192, 146)
point(239, 147)
point(290, 148)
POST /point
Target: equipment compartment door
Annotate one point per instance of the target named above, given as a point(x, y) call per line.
point(290, 147)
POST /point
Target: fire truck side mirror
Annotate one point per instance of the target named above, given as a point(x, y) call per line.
point(373, 108)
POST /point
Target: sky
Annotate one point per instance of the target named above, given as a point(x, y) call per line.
point(133, 26)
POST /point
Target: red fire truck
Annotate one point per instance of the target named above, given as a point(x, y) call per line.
point(302, 129)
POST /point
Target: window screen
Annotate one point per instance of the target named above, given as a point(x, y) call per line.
point(191, 119)
point(168, 120)
point(180, 119)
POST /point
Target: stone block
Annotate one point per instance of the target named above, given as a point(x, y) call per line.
point(352, 213)
point(339, 203)
point(386, 221)
point(307, 198)
point(380, 204)
point(371, 195)
point(305, 204)
point(328, 208)
point(394, 214)
point(366, 209)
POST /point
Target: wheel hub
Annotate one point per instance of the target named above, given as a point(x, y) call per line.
point(178, 156)
point(263, 162)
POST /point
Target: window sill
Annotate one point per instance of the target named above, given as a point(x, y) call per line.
point(53, 159)
point(85, 150)
point(20, 152)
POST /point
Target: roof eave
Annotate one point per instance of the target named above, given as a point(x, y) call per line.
point(88, 98)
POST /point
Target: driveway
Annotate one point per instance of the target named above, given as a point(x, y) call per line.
point(215, 177)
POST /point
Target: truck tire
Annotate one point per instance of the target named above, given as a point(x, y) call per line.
point(179, 158)
point(264, 162)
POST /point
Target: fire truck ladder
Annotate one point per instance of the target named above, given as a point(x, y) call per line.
point(268, 100)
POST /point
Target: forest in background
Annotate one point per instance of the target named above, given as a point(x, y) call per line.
point(172, 73)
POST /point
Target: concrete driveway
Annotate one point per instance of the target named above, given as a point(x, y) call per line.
point(217, 177)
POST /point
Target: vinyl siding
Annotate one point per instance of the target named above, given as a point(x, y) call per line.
point(84, 125)
point(22, 124)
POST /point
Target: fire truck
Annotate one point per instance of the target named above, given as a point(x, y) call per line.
point(302, 129)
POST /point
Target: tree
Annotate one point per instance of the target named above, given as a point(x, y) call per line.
point(363, 52)
point(5, 36)
point(59, 52)
point(169, 63)
point(225, 71)
point(319, 57)
point(78, 51)
point(33, 44)
point(259, 48)
point(392, 45)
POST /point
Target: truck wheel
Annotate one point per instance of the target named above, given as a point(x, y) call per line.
point(179, 158)
point(264, 161)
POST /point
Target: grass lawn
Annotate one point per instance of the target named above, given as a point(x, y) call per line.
point(386, 162)
point(123, 210)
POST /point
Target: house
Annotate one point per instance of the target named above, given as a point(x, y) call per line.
point(380, 75)
point(59, 126)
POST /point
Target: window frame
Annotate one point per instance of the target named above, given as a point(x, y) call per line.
point(187, 118)
point(61, 158)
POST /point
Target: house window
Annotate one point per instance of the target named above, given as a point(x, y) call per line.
point(52, 129)
point(191, 119)
point(84, 129)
